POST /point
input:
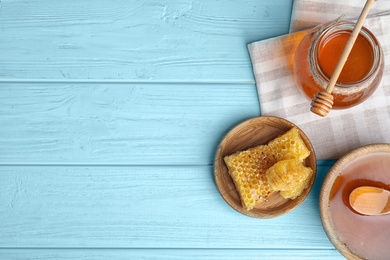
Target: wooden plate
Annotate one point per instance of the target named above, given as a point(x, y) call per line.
point(251, 133)
point(327, 185)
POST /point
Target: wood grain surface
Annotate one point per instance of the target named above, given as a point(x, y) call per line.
point(167, 254)
point(140, 207)
point(128, 124)
point(111, 113)
point(135, 40)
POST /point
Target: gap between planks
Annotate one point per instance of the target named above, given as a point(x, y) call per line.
point(124, 81)
point(168, 248)
point(319, 163)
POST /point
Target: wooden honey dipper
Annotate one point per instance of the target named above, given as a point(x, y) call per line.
point(323, 100)
point(370, 201)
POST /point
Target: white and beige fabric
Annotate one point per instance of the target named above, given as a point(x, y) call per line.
point(341, 130)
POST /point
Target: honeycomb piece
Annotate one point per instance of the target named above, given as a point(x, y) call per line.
point(289, 145)
point(290, 177)
point(247, 169)
point(297, 190)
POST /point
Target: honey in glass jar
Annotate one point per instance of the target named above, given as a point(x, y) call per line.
point(318, 54)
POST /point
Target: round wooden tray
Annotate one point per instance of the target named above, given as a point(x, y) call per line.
point(327, 186)
point(251, 133)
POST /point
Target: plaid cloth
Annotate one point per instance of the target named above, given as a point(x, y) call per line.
point(341, 130)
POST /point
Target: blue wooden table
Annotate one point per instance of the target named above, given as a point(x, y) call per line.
point(111, 113)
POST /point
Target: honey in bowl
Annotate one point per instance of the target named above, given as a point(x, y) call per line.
point(319, 52)
point(366, 236)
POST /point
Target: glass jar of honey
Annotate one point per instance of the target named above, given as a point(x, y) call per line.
point(318, 54)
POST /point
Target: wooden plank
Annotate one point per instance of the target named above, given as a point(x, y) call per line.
point(168, 254)
point(119, 123)
point(141, 207)
point(138, 40)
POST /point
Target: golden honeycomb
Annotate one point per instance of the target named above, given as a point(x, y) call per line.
point(247, 169)
point(297, 190)
point(259, 171)
point(290, 177)
point(289, 145)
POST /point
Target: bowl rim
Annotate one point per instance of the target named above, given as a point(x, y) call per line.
point(327, 186)
point(280, 211)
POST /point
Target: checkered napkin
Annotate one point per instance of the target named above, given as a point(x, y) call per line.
point(341, 130)
point(309, 13)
